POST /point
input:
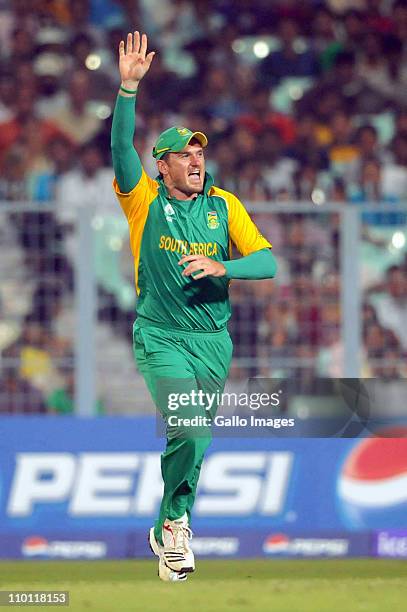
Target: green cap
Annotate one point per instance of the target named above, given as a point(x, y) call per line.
point(175, 139)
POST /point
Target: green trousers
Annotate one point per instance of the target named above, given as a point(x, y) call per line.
point(172, 363)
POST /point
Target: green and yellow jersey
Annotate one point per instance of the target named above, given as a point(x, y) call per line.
point(162, 229)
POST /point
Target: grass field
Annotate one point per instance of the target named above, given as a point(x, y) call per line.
point(250, 585)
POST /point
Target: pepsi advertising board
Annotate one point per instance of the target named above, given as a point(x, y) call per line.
point(91, 488)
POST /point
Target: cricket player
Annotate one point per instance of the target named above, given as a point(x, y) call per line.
point(181, 232)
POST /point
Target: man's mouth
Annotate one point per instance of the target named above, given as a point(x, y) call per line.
point(194, 175)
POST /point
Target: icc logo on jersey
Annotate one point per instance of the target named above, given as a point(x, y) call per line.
point(213, 222)
point(169, 211)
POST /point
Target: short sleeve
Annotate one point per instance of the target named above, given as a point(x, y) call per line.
point(140, 197)
point(242, 231)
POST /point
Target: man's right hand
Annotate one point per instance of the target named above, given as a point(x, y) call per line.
point(133, 61)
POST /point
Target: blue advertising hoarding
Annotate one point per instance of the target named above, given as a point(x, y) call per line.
point(90, 488)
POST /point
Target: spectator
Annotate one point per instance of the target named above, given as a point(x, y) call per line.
point(392, 308)
point(302, 248)
point(17, 395)
point(46, 303)
point(261, 115)
point(80, 19)
point(251, 184)
point(24, 115)
point(224, 164)
point(306, 181)
point(88, 183)
point(280, 168)
point(13, 180)
point(21, 46)
point(342, 150)
point(325, 37)
point(81, 45)
point(374, 340)
point(162, 87)
point(7, 95)
point(33, 352)
point(376, 18)
point(371, 65)
point(277, 330)
point(373, 185)
point(394, 180)
point(346, 90)
point(369, 315)
point(400, 19)
point(330, 358)
point(368, 147)
point(61, 399)
point(382, 66)
point(369, 188)
point(355, 28)
point(306, 149)
point(243, 326)
point(49, 70)
point(60, 153)
point(292, 60)
point(219, 99)
point(77, 120)
point(390, 368)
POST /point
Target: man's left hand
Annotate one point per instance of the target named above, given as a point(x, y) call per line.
point(205, 265)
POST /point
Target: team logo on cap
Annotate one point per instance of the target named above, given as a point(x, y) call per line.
point(213, 222)
point(182, 131)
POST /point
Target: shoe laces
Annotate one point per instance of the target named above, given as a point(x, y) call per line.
point(182, 535)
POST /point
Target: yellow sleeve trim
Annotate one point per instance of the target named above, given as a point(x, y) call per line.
point(135, 205)
point(142, 195)
point(242, 230)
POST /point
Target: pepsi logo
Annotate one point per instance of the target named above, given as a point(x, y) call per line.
point(34, 545)
point(276, 543)
point(281, 544)
point(372, 484)
point(65, 549)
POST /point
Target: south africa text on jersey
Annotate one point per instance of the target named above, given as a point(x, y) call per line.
point(188, 248)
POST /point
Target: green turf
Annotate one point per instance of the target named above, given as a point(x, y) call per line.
point(250, 585)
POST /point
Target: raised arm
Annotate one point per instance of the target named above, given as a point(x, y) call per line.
point(133, 65)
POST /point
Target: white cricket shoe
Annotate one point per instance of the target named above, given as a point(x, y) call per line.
point(155, 546)
point(165, 573)
point(168, 575)
point(177, 553)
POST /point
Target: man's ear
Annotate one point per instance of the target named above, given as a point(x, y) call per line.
point(162, 167)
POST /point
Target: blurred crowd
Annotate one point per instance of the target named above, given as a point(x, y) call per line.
point(301, 101)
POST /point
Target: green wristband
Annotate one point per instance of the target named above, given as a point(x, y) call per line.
point(129, 91)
